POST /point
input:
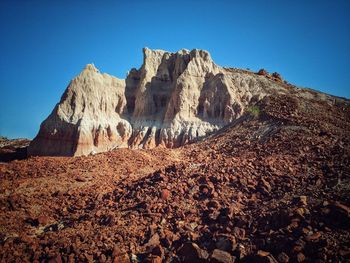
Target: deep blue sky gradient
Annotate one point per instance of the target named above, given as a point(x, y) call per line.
point(44, 44)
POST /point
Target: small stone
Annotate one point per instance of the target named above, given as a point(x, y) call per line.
point(340, 213)
point(263, 72)
point(158, 251)
point(71, 258)
point(204, 189)
point(226, 212)
point(226, 243)
point(241, 252)
point(300, 257)
point(264, 186)
point(297, 248)
point(314, 236)
point(102, 258)
point(191, 252)
point(213, 204)
point(165, 194)
point(265, 257)
point(57, 259)
point(263, 253)
point(305, 231)
point(122, 257)
point(98, 213)
point(303, 200)
point(220, 256)
point(300, 211)
point(283, 258)
point(43, 220)
point(89, 257)
point(168, 237)
point(32, 222)
point(325, 203)
point(80, 179)
point(107, 220)
point(239, 232)
point(277, 76)
point(153, 259)
point(153, 241)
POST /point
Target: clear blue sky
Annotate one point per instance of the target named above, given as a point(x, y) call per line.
point(44, 44)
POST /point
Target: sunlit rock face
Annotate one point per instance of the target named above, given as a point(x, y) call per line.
point(87, 119)
point(171, 100)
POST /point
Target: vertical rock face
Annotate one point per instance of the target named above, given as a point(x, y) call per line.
point(172, 99)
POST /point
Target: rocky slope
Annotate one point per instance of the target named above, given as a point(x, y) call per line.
point(273, 186)
point(174, 98)
point(13, 149)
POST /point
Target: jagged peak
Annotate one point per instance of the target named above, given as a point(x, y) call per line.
point(147, 52)
point(155, 58)
point(159, 52)
point(91, 67)
point(201, 53)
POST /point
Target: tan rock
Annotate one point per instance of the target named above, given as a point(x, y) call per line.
point(173, 99)
point(87, 119)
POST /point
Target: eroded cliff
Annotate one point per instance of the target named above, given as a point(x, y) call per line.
point(171, 100)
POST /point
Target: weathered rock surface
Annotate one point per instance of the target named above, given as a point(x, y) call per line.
point(271, 187)
point(13, 149)
point(87, 119)
point(174, 98)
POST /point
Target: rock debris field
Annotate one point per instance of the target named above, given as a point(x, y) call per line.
point(272, 186)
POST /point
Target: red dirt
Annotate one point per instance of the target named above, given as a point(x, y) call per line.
point(272, 188)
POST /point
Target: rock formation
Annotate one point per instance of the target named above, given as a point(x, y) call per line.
point(86, 119)
point(172, 99)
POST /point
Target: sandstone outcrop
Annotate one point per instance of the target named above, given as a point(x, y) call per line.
point(173, 99)
point(87, 119)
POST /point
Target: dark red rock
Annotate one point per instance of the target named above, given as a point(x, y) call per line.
point(153, 241)
point(153, 259)
point(263, 72)
point(213, 204)
point(120, 256)
point(226, 243)
point(220, 256)
point(158, 251)
point(314, 236)
point(191, 252)
point(57, 259)
point(340, 214)
point(264, 186)
point(205, 189)
point(80, 179)
point(283, 258)
point(165, 194)
point(43, 220)
point(300, 257)
point(277, 76)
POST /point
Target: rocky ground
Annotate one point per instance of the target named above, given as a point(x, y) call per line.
point(271, 187)
point(13, 149)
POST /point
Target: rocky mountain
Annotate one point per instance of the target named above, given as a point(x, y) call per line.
point(174, 98)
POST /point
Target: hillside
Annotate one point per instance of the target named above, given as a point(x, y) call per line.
point(271, 186)
point(171, 100)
